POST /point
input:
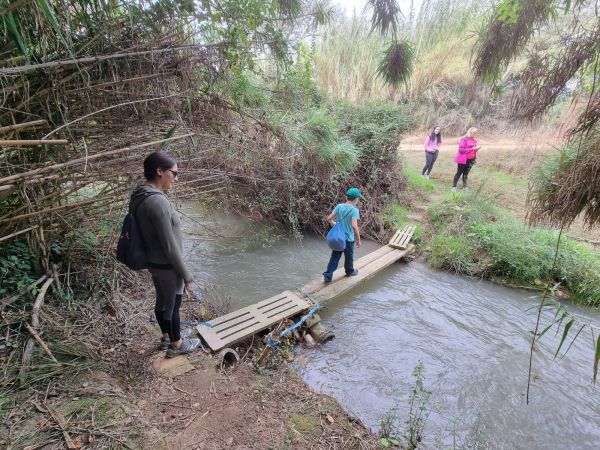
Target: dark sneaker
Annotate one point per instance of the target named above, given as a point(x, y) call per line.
point(165, 343)
point(327, 279)
point(187, 346)
point(353, 273)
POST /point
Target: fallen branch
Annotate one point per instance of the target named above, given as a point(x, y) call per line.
point(40, 342)
point(71, 445)
point(178, 94)
point(35, 321)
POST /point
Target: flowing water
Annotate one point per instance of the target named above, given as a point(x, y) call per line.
point(472, 337)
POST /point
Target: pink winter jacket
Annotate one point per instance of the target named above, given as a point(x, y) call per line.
point(432, 145)
point(465, 150)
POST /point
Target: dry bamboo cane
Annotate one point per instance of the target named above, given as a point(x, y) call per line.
point(89, 158)
point(56, 208)
point(20, 126)
point(69, 62)
point(27, 142)
point(18, 233)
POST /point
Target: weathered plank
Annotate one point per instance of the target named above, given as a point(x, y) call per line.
point(318, 284)
point(245, 322)
point(333, 289)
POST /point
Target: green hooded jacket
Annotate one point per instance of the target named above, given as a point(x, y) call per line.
point(161, 229)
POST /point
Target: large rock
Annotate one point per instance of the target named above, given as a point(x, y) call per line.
point(172, 367)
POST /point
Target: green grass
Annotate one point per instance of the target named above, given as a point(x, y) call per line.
point(417, 181)
point(475, 238)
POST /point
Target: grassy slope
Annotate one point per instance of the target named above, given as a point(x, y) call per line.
point(492, 238)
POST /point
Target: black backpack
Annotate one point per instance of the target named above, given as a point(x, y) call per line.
point(131, 250)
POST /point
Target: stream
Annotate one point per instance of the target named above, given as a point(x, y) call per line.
point(471, 336)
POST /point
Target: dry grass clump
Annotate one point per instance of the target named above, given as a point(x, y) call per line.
point(568, 184)
point(588, 119)
point(509, 29)
point(546, 75)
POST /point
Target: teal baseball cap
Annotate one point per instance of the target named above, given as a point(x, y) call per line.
point(354, 193)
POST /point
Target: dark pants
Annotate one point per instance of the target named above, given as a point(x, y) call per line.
point(172, 326)
point(463, 169)
point(430, 158)
point(335, 259)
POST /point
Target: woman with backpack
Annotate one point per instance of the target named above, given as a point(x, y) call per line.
point(465, 157)
point(433, 142)
point(160, 227)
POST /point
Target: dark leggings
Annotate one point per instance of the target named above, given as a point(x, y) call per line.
point(430, 158)
point(463, 169)
point(173, 326)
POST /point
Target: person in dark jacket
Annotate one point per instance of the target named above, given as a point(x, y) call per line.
point(160, 226)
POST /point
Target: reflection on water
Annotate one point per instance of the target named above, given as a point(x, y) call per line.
point(472, 337)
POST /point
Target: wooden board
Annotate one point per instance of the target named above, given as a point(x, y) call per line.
point(245, 322)
point(402, 237)
point(359, 264)
point(343, 284)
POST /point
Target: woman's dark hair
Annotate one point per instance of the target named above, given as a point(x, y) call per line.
point(157, 160)
point(437, 137)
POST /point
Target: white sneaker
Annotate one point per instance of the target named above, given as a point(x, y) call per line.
point(427, 177)
point(454, 189)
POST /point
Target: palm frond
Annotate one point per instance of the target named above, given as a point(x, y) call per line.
point(386, 16)
point(397, 63)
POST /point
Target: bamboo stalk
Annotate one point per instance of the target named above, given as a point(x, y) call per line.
point(112, 83)
point(91, 59)
point(56, 208)
point(18, 233)
point(25, 142)
point(89, 158)
point(113, 107)
point(20, 126)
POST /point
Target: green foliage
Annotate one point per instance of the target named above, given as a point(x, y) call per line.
point(451, 253)
point(475, 238)
point(372, 125)
point(245, 91)
point(17, 268)
point(395, 216)
point(417, 181)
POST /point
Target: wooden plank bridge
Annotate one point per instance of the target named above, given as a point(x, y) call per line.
point(245, 322)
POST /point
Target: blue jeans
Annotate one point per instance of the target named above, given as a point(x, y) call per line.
point(335, 259)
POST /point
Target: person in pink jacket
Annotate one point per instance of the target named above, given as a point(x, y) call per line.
point(433, 141)
point(465, 157)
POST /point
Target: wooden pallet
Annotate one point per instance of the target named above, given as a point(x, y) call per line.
point(245, 322)
point(402, 237)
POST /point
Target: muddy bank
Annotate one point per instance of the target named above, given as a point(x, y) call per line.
point(133, 397)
